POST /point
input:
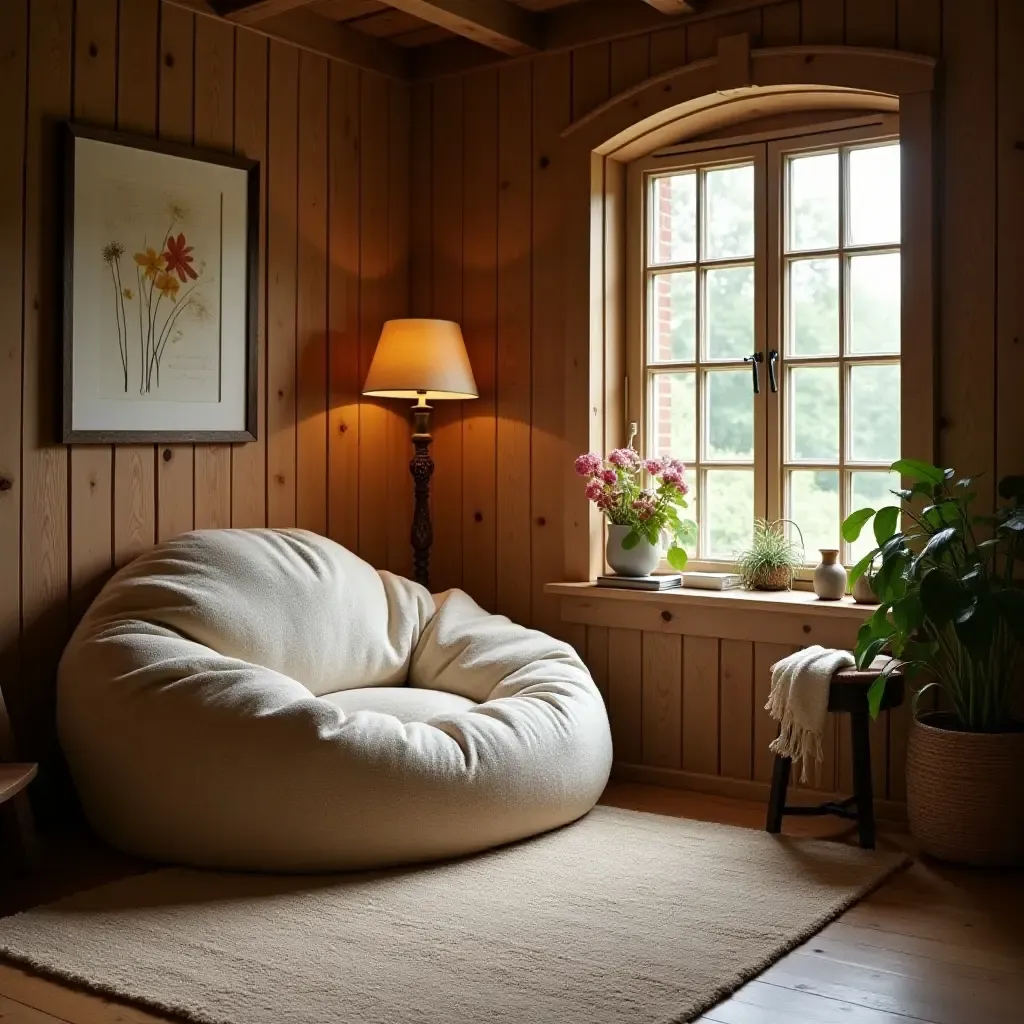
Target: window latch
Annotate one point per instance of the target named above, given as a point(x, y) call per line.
point(757, 357)
point(773, 377)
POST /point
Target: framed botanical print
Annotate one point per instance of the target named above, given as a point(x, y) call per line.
point(160, 270)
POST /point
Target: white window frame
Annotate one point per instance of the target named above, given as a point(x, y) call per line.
point(768, 150)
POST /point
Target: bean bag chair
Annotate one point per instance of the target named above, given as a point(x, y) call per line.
point(266, 700)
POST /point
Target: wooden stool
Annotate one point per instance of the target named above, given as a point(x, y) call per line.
point(847, 694)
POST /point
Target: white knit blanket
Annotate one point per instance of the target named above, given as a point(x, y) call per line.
point(799, 702)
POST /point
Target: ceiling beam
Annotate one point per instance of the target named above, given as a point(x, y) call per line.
point(496, 24)
point(321, 35)
point(569, 26)
point(251, 12)
point(674, 7)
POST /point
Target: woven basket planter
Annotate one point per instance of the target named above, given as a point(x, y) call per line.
point(773, 579)
point(965, 791)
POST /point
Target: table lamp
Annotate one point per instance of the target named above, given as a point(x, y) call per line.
point(421, 359)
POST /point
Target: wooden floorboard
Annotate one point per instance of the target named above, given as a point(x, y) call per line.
point(934, 945)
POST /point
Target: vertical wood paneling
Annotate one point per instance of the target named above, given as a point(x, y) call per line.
point(700, 705)
point(552, 95)
point(91, 466)
point(343, 307)
point(400, 486)
point(765, 729)
point(661, 702)
point(1010, 204)
point(282, 256)
point(311, 378)
point(822, 21)
point(968, 273)
point(871, 23)
point(629, 62)
point(597, 657)
point(514, 379)
point(44, 577)
point(625, 693)
point(373, 307)
point(14, 17)
point(480, 302)
point(919, 26)
point(447, 164)
point(702, 36)
point(213, 128)
point(249, 461)
point(780, 24)
point(668, 49)
point(175, 464)
point(736, 709)
point(137, 76)
point(146, 67)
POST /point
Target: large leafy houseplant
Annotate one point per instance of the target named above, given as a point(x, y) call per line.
point(950, 608)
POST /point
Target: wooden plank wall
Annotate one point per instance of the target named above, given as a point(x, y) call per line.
point(980, 177)
point(690, 710)
point(334, 144)
point(489, 225)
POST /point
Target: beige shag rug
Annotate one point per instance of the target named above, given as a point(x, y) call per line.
point(621, 917)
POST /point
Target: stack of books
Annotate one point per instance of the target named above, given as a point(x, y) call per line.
point(670, 581)
point(674, 580)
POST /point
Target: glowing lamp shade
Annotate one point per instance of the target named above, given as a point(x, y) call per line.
point(420, 359)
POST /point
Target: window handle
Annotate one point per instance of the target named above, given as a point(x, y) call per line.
point(757, 357)
point(773, 377)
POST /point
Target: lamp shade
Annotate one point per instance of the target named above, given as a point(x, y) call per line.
point(420, 357)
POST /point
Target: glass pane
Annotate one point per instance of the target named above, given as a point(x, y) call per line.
point(874, 203)
point(814, 201)
point(729, 213)
point(814, 506)
point(729, 312)
point(813, 328)
point(727, 512)
point(673, 401)
point(813, 402)
point(875, 304)
point(729, 415)
point(673, 317)
point(674, 218)
point(870, 490)
point(874, 413)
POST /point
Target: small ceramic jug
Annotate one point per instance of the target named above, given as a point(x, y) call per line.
point(641, 560)
point(830, 576)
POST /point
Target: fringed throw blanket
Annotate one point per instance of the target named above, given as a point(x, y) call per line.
point(799, 702)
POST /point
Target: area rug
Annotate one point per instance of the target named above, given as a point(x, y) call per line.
point(621, 917)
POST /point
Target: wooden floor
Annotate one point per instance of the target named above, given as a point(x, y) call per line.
point(935, 944)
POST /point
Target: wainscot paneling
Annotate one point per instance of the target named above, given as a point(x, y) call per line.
point(686, 679)
point(334, 145)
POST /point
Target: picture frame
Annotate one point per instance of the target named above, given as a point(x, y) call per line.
point(160, 291)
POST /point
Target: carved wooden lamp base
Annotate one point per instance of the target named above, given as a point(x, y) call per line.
point(422, 468)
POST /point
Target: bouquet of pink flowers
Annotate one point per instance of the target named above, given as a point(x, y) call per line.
point(616, 485)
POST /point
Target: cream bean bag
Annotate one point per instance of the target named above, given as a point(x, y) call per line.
point(264, 699)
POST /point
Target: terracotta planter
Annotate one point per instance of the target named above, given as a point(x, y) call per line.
point(965, 792)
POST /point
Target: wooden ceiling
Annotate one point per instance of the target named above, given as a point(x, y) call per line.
point(391, 29)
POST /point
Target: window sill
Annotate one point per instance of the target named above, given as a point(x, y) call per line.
point(799, 601)
point(793, 617)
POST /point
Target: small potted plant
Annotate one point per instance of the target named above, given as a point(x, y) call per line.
point(951, 613)
point(639, 512)
point(772, 559)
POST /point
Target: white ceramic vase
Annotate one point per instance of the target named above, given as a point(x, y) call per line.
point(639, 561)
point(863, 592)
point(830, 576)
